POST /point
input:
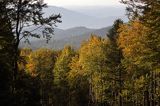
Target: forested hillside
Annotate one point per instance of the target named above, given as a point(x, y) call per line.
point(121, 69)
point(73, 37)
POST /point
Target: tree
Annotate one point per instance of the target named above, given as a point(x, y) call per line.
point(92, 57)
point(115, 57)
point(23, 59)
point(113, 32)
point(40, 65)
point(22, 15)
point(78, 83)
point(6, 59)
point(61, 71)
point(147, 12)
point(139, 60)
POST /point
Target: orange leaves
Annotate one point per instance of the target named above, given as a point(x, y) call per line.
point(131, 38)
point(40, 61)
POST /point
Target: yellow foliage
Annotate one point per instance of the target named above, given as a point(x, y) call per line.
point(40, 61)
point(131, 38)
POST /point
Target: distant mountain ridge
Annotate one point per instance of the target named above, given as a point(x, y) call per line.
point(76, 31)
point(100, 11)
point(73, 37)
point(77, 26)
point(74, 18)
point(69, 18)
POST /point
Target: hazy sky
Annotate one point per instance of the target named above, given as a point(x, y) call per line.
point(82, 2)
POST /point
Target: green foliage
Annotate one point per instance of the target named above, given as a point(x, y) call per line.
point(40, 62)
point(113, 32)
point(145, 55)
point(93, 60)
point(39, 65)
point(140, 61)
point(61, 71)
point(15, 17)
point(120, 71)
point(62, 64)
point(78, 83)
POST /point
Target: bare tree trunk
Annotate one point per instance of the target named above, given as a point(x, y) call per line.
point(91, 99)
point(152, 88)
point(144, 99)
point(146, 96)
point(16, 51)
point(120, 89)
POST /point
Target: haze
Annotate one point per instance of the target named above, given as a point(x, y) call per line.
point(82, 2)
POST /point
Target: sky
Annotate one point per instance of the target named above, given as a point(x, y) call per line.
point(82, 2)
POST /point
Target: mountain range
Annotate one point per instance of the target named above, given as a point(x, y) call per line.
point(90, 17)
point(78, 25)
point(73, 37)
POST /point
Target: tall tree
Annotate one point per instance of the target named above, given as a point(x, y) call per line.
point(113, 32)
point(78, 83)
point(92, 57)
point(139, 59)
point(61, 71)
point(22, 15)
point(6, 58)
point(115, 57)
point(147, 12)
point(40, 65)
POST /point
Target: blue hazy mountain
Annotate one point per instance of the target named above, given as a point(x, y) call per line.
point(100, 11)
point(73, 37)
point(71, 32)
point(90, 17)
point(78, 24)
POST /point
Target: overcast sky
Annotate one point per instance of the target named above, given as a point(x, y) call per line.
point(82, 2)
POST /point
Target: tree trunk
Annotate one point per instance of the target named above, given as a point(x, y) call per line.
point(16, 44)
point(120, 89)
point(146, 96)
point(152, 89)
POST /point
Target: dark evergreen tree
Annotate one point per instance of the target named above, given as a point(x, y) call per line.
point(6, 58)
point(116, 58)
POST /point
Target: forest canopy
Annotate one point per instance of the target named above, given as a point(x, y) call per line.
point(122, 69)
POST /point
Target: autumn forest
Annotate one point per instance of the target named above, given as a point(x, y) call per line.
point(122, 69)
